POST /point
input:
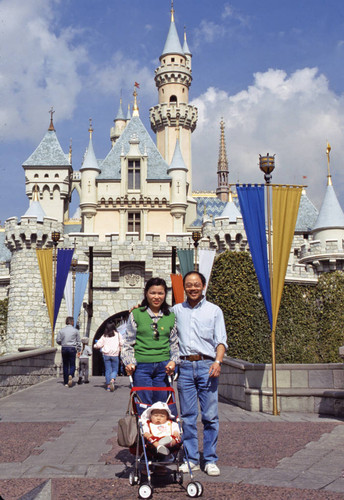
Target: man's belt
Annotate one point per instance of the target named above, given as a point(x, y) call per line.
point(196, 357)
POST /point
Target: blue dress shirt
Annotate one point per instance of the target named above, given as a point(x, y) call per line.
point(200, 329)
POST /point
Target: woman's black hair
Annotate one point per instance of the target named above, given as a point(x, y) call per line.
point(165, 308)
point(110, 329)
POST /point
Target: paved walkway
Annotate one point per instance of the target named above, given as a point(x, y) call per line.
point(81, 450)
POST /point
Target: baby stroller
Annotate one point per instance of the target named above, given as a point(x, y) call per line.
point(147, 462)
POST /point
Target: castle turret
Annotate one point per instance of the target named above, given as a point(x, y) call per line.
point(178, 203)
point(173, 79)
point(222, 190)
point(120, 124)
point(89, 172)
point(50, 170)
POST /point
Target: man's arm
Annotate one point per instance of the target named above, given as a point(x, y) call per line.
point(215, 369)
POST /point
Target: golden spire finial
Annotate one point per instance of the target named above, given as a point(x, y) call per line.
point(51, 126)
point(90, 129)
point(35, 193)
point(329, 179)
point(172, 12)
point(135, 106)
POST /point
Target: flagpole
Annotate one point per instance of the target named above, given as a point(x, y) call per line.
point(55, 236)
point(267, 165)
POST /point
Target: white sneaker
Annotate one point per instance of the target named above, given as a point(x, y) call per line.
point(212, 470)
point(112, 385)
point(184, 467)
point(165, 440)
point(163, 450)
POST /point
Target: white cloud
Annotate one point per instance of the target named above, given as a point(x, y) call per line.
point(292, 116)
point(38, 67)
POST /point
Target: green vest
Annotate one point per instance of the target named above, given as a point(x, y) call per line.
point(147, 348)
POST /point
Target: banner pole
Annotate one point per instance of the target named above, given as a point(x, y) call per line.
point(267, 165)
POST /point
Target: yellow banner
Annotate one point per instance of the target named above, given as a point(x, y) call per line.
point(45, 262)
point(285, 207)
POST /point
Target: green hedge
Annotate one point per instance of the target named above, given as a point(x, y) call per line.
point(310, 323)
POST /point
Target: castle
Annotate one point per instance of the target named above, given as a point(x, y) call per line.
point(135, 205)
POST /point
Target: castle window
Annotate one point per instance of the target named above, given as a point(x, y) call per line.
point(134, 222)
point(56, 176)
point(35, 176)
point(46, 175)
point(173, 99)
point(134, 177)
point(172, 59)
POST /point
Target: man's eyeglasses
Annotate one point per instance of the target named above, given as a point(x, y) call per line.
point(197, 286)
point(154, 327)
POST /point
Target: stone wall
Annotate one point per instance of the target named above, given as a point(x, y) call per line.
point(24, 369)
point(310, 388)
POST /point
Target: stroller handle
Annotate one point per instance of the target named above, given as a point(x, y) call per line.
point(131, 380)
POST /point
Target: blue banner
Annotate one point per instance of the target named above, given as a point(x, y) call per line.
point(81, 280)
point(64, 259)
point(251, 199)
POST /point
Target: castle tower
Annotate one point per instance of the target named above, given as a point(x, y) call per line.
point(88, 201)
point(222, 190)
point(120, 124)
point(178, 203)
point(173, 79)
point(50, 169)
point(28, 321)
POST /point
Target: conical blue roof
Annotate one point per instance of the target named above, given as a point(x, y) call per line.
point(90, 160)
point(120, 114)
point(48, 153)
point(172, 45)
point(186, 49)
point(231, 211)
point(177, 162)
point(35, 210)
point(331, 214)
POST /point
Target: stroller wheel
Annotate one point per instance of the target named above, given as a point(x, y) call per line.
point(200, 488)
point(145, 491)
point(133, 479)
point(192, 490)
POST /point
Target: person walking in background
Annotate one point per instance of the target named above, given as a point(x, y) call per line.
point(84, 354)
point(110, 343)
point(150, 350)
point(69, 338)
point(202, 344)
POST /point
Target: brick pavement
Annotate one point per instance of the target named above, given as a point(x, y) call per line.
point(261, 456)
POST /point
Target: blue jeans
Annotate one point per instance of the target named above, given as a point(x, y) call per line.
point(194, 383)
point(111, 367)
point(68, 360)
point(151, 375)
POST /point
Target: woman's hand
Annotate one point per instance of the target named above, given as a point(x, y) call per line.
point(170, 367)
point(130, 369)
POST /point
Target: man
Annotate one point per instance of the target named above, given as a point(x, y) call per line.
point(202, 344)
point(69, 339)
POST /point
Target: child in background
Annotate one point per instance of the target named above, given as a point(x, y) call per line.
point(159, 430)
point(85, 353)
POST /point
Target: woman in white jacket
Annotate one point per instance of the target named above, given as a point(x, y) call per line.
point(110, 343)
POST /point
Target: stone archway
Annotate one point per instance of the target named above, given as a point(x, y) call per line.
point(97, 358)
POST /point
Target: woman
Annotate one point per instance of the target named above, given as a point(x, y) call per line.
point(150, 349)
point(110, 343)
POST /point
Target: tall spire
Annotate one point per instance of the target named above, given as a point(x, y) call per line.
point(135, 106)
point(51, 126)
point(172, 12)
point(329, 178)
point(222, 190)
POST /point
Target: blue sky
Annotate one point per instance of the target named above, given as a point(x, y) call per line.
point(272, 69)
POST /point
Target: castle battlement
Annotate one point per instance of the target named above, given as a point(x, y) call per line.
point(30, 233)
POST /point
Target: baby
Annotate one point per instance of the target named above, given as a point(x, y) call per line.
point(158, 428)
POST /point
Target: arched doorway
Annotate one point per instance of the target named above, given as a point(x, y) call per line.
point(97, 358)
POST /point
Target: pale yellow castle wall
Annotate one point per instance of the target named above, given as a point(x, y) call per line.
point(160, 222)
point(106, 221)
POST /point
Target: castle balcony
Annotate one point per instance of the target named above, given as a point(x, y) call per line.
point(169, 115)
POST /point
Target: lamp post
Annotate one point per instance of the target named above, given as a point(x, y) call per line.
point(74, 264)
point(196, 236)
point(55, 236)
point(267, 166)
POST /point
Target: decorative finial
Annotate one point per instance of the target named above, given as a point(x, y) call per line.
point(70, 151)
point(329, 179)
point(90, 129)
point(172, 12)
point(184, 32)
point(51, 126)
point(135, 106)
